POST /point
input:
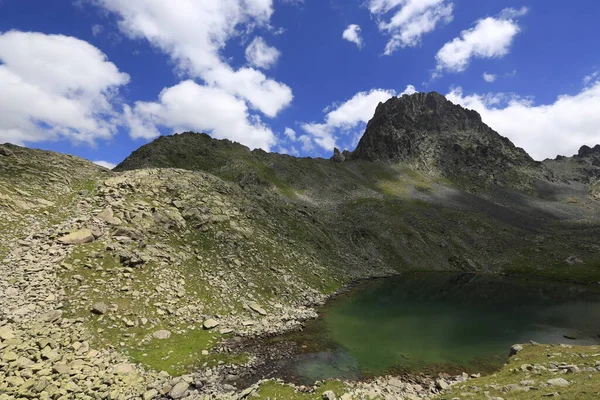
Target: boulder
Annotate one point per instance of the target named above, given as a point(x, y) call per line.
point(329, 395)
point(6, 333)
point(123, 369)
point(99, 308)
point(514, 349)
point(573, 260)
point(442, 384)
point(6, 152)
point(51, 316)
point(150, 394)
point(179, 390)
point(78, 237)
point(560, 382)
point(162, 334)
point(254, 306)
point(210, 323)
point(108, 216)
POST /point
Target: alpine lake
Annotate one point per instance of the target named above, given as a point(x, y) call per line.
point(436, 323)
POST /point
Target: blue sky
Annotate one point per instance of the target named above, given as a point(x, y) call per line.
point(99, 78)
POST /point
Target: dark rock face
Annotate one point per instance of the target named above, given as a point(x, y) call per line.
point(586, 151)
point(431, 133)
point(337, 156)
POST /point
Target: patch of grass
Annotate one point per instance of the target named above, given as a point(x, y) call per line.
point(272, 390)
point(182, 353)
point(583, 385)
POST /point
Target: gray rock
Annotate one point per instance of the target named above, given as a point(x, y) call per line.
point(574, 260)
point(247, 392)
point(4, 151)
point(514, 349)
point(99, 308)
point(329, 395)
point(560, 382)
point(78, 237)
point(150, 394)
point(6, 333)
point(51, 316)
point(210, 323)
point(108, 216)
point(123, 369)
point(179, 390)
point(442, 384)
point(254, 306)
point(162, 334)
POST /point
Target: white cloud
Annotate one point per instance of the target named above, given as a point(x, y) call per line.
point(544, 131)
point(409, 20)
point(489, 77)
point(194, 32)
point(261, 55)
point(491, 37)
point(55, 86)
point(105, 164)
point(352, 34)
point(290, 133)
point(307, 143)
point(349, 116)
point(189, 106)
point(512, 13)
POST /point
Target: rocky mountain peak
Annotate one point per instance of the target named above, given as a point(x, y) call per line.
point(430, 132)
point(586, 151)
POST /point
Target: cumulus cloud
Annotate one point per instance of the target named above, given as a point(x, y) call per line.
point(261, 55)
point(54, 87)
point(543, 130)
point(491, 37)
point(194, 32)
point(348, 117)
point(189, 106)
point(105, 164)
point(408, 20)
point(353, 35)
point(489, 77)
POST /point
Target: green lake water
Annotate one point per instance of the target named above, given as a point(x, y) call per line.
point(437, 322)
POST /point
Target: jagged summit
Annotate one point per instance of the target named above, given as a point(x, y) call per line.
point(586, 151)
point(432, 133)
